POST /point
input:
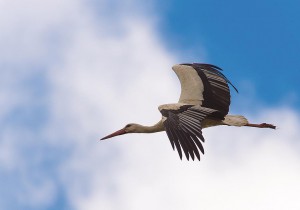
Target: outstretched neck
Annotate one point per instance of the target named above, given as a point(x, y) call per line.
point(150, 129)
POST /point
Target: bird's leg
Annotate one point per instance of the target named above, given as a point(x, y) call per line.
point(262, 125)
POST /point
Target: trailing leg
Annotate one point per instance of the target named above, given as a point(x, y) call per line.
point(262, 125)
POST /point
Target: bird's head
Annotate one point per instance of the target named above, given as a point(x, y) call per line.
point(129, 128)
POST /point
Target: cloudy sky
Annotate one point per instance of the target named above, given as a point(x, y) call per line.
point(73, 71)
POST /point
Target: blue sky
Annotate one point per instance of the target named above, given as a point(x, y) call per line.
point(74, 71)
point(257, 41)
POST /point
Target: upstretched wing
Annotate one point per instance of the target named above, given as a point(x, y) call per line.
point(205, 85)
point(183, 127)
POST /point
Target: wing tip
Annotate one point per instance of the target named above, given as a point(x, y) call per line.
point(207, 65)
point(198, 64)
point(174, 67)
point(180, 66)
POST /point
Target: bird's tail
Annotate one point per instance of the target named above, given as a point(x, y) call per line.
point(235, 120)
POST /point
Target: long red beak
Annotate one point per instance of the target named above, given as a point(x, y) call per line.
point(117, 133)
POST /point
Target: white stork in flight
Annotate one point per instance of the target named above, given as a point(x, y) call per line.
point(204, 102)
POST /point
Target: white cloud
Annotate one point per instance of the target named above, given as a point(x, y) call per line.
point(243, 168)
point(100, 73)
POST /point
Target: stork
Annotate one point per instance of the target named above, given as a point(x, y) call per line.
point(204, 102)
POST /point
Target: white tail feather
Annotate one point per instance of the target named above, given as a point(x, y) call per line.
point(235, 120)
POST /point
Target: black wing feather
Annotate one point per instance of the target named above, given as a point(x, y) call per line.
point(183, 142)
point(172, 130)
point(170, 136)
point(184, 129)
point(216, 92)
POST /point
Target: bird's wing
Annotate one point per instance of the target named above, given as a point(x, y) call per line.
point(205, 85)
point(183, 126)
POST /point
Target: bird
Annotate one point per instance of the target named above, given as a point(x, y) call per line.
point(204, 102)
